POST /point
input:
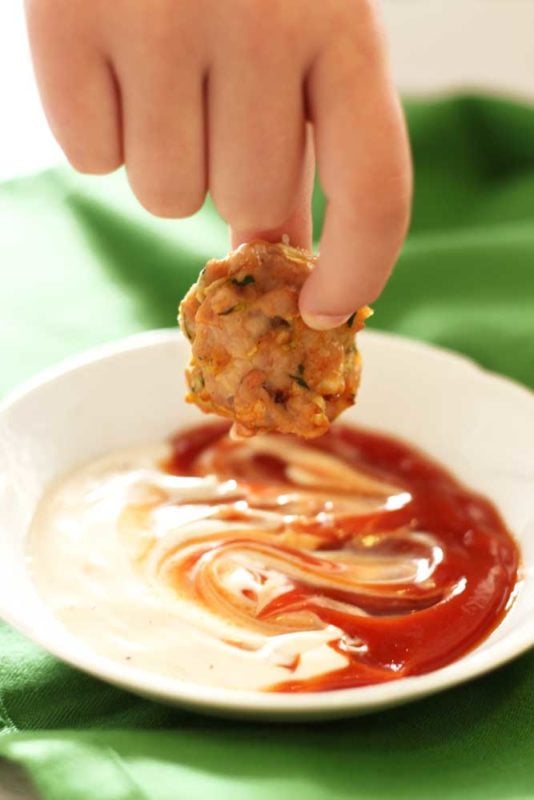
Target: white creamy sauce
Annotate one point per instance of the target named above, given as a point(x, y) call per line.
point(82, 567)
point(198, 577)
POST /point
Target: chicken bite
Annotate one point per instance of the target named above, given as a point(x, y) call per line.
point(253, 358)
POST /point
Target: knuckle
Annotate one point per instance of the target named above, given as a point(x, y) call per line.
point(255, 13)
point(351, 16)
point(265, 27)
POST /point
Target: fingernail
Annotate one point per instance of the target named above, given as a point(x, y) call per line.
point(324, 322)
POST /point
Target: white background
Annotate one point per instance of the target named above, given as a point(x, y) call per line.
point(435, 45)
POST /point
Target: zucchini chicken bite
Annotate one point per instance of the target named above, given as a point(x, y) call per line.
point(254, 359)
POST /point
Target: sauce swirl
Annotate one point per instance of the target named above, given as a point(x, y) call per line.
point(355, 534)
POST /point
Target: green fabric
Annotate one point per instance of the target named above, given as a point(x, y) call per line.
point(80, 264)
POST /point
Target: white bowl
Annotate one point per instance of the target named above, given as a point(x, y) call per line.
point(479, 425)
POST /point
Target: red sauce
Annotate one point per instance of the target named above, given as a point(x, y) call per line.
point(411, 630)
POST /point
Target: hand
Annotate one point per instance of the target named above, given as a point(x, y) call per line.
point(236, 97)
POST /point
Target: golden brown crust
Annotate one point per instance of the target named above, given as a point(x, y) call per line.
point(253, 358)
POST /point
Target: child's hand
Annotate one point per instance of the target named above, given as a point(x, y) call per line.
point(216, 94)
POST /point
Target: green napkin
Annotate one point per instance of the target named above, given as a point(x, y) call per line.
point(81, 264)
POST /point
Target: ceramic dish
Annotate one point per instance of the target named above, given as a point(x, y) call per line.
point(477, 424)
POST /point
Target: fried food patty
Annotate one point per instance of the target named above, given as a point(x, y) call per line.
point(253, 358)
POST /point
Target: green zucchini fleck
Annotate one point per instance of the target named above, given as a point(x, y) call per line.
point(300, 381)
point(244, 281)
point(298, 377)
point(183, 325)
point(197, 382)
point(236, 307)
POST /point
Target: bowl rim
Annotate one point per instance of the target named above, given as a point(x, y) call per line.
point(235, 702)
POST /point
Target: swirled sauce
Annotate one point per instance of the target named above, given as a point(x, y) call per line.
point(270, 564)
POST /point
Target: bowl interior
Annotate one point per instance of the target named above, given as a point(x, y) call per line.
point(477, 424)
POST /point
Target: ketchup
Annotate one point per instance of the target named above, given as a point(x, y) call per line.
point(392, 631)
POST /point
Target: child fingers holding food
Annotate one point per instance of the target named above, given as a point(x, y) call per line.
point(239, 98)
